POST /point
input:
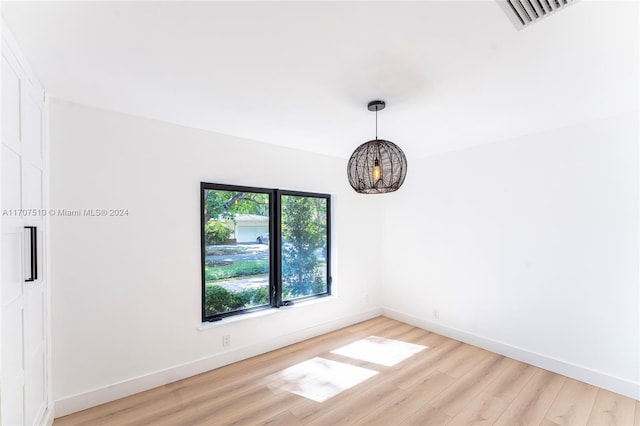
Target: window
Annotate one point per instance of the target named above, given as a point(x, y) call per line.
point(262, 248)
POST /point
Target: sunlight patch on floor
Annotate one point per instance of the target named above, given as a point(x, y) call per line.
point(379, 350)
point(319, 379)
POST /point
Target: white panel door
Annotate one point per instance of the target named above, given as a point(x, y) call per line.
point(10, 101)
point(12, 288)
point(33, 200)
point(23, 301)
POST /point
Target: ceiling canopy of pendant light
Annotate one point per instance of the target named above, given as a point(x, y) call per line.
point(377, 166)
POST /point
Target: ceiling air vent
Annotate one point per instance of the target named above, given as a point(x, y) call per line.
point(526, 12)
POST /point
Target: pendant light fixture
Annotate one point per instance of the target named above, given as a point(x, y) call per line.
point(377, 166)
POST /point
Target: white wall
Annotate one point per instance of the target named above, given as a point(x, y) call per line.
point(528, 247)
point(126, 290)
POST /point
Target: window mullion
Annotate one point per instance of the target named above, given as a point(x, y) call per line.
point(276, 249)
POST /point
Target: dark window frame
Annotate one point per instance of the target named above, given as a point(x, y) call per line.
point(275, 247)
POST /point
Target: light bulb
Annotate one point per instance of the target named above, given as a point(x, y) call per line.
point(377, 171)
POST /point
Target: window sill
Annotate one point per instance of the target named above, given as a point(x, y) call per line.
point(258, 314)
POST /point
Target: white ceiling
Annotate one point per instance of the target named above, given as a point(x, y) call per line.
point(299, 74)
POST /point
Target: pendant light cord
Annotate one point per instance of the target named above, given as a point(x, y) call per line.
point(376, 123)
point(377, 143)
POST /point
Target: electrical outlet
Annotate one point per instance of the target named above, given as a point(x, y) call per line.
point(226, 340)
point(436, 313)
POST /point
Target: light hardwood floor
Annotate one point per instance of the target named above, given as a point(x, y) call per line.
point(447, 383)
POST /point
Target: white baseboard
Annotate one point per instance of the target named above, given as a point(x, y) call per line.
point(47, 417)
point(74, 403)
point(583, 374)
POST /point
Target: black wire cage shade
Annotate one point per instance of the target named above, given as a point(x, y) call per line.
point(377, 166)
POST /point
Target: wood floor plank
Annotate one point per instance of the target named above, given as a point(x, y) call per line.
point(448, 382)
point(372, 389)
point(424, 364)
point(427, 416)
point(250, 412)
point(406, 402)
point(203, 409)
point(572, 405)
point(453, 399)
point(611, 409)
point(281, 419)
point(533, 402)
point(511, 380)
point(461, 362)
point(483, 410)
point(356, 407)
point(460, 354)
